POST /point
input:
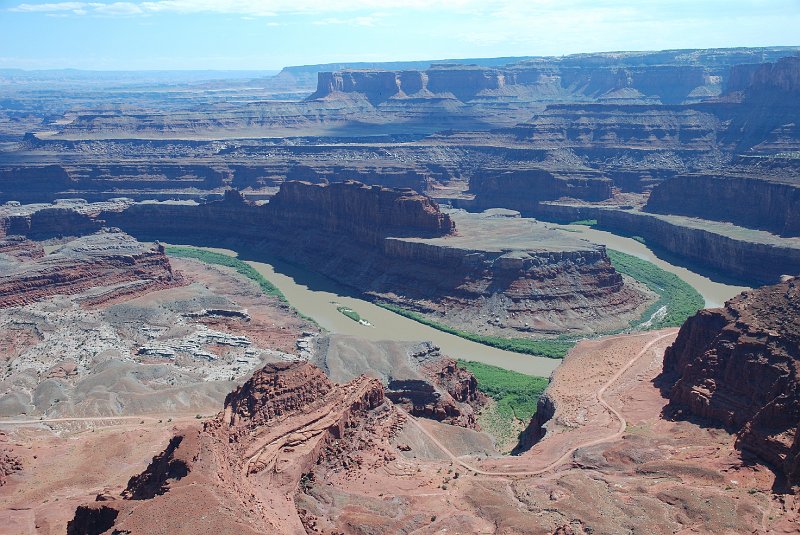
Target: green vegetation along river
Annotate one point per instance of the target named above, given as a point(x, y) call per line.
point(714, 293)
point(320, 298)
point(323, 300)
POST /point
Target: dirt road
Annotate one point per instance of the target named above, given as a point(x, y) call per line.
point(567, 454)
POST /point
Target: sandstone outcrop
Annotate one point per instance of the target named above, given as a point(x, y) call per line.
point(738, 367)
point(111, 260)
point(248, 462)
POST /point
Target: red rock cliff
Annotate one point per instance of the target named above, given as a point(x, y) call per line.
point(111, 259)
point(367, 213)
point(738, 366)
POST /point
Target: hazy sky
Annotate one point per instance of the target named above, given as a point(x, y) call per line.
point(269, 34)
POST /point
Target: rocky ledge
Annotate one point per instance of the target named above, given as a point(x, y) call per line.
point(738, 367)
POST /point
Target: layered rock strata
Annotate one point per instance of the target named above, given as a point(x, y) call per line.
point(497, 271)
point(738, 367)
point(111, 260)
point(614, 80)
point(748, 201)
point(733, 251)
point(247, 463)
point(362, 212)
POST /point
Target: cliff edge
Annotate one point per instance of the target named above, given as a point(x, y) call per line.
point(738, 366)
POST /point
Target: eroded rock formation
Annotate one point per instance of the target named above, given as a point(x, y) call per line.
point(738, 366)
point(111, 262)
point(246, 464)
point(397, 246)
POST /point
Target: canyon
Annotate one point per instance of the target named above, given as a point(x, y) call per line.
point(292, 452)
point(599, 131)
point(490, 273)
point(155, 378)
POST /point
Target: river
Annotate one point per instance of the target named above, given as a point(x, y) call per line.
point(318, 297)
point(715, 293)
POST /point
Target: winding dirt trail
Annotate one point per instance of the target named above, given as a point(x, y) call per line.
point(561, 460)
point(567, 454)
point(92, 419)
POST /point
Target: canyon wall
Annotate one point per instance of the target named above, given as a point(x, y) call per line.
point(363, 212)
point(738, 366)
point(762, 202)
point(739, 252)
point(522, 189)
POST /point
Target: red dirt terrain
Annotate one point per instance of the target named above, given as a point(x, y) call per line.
point(293, 452)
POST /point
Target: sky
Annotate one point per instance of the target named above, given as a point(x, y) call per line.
point(270, 34)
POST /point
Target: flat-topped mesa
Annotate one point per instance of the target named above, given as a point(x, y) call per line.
point(378, 86)
point(738, 366)
point(522, 189)
point(667, 80)
point(367, 213)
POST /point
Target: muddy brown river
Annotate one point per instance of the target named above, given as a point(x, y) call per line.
point(319, 297)
point(714, 293)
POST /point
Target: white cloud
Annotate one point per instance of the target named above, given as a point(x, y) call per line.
point(55, 7)
point(367, 21)
point(256, 8)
